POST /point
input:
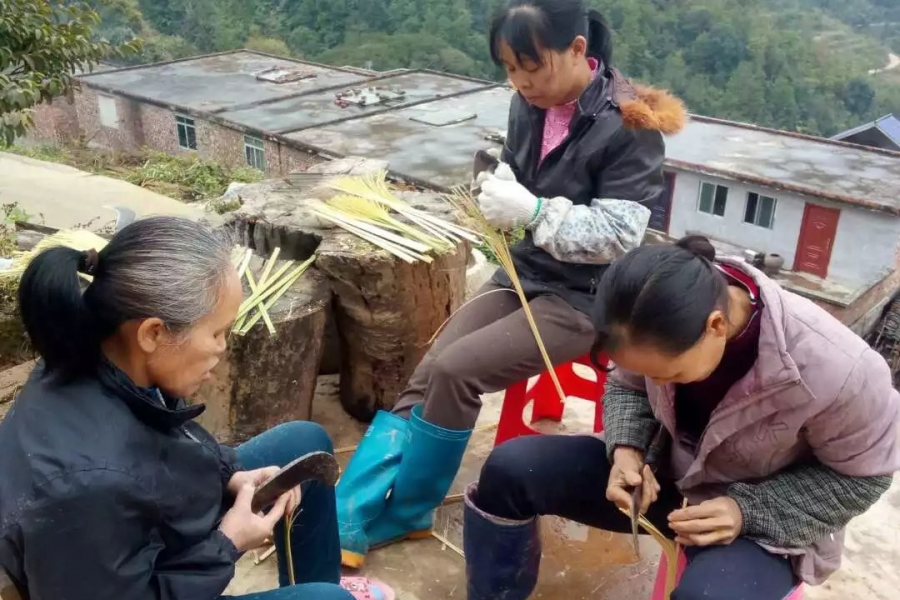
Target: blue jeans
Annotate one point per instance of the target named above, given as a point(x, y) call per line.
point(314, 539)
point(567, 475)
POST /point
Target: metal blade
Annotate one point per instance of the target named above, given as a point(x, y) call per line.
point(635, 518)
point(318, 466)
point(124, 216)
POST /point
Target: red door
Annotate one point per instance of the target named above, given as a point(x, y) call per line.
point(816, 240)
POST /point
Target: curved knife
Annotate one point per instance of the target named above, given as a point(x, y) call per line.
point(317, 466)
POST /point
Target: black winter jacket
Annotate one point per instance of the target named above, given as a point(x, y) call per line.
point(614, 150)
point(109, 494)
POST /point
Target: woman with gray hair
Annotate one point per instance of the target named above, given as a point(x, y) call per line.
point(110, 490)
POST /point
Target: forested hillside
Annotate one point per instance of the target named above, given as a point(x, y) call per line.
point(796, 64)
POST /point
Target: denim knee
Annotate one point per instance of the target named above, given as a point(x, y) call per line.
point(322, 591)
point(312, 437)
point(282, 444)
point(504, 481)
point(306, 591)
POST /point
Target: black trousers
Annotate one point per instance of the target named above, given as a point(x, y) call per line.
point(566, 476)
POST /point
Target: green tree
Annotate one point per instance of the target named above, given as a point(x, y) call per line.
point(268, 45)
point(858, 96)
point(43, 45)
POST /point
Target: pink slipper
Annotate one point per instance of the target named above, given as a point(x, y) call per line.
point(363, 588)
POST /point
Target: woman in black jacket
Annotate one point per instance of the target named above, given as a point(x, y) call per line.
point(583, 154)
point(110, 490)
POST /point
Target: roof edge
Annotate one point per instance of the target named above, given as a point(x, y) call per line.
point(213, 55)
point(795, 135)
point(894, 211)
point(160, 63)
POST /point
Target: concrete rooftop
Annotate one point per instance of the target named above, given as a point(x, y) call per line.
point(317, 108)
point(430, 124)
point(431, 142)
point(812, 166)
point(217, 81)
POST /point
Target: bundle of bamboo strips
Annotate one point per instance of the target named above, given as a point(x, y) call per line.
point(365, 210)
point(77, 239)
point(496, 240)
point(265, 292)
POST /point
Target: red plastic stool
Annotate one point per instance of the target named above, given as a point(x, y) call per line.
point(547, 404)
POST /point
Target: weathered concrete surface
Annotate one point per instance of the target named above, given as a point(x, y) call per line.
point(871, 564)
point(65, 197)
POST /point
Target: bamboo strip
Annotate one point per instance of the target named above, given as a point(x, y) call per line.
point(250, 303)
point(283, 286)
point(375, 240)
point(245, 262)
point(496, 240)
point(262, 307)
point(443, 540)
point(373, 229)
point(669, 548)
point(376, 214)
point(376, 188)
point(264, 278)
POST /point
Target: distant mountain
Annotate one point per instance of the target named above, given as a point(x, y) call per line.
point(795, 64)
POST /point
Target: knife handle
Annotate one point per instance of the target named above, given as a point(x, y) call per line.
point(657, 447)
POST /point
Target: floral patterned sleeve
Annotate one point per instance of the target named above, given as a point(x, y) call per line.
point(616, 220)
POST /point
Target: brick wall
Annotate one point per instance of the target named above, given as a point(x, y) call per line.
point(127, 136)
point(55, 122)
point(145, 125)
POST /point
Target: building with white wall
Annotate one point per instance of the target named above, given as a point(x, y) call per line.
point(829, 208)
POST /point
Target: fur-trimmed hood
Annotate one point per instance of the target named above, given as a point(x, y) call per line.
point(646, 107)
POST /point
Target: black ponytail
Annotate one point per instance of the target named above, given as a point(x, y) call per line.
point(599, 37)
point(529, 26)
point(659, 295)
point(56, 317)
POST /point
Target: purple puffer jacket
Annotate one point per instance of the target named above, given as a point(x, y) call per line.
point(816, 390)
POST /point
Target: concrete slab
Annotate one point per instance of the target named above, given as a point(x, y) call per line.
point(63, 197)
point(317, 108)
point(218, 81)
point(439, 154)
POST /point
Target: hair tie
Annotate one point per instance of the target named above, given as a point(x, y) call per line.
point(89, 262)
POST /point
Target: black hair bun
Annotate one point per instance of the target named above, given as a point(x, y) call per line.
point(698, 245)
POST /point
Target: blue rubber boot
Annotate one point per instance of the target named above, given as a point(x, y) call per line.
point(365, 483)
point(503, 556)
point(430, 461)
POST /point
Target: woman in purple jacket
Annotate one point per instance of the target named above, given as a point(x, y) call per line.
point(784, 426)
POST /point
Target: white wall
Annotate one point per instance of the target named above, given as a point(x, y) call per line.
point(865, 246)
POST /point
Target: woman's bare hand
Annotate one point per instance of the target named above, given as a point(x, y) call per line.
point(711, 523)
point(628, 472)
point(246, 529)
point(256, 478)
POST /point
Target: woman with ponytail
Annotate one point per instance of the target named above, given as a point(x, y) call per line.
point(783, 426)
point(110, 490)
point(582, 160)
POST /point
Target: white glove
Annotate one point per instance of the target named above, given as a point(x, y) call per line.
point(503, 171)
point(504, 202)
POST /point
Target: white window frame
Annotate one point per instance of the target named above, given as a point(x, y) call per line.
point(190, 126)
point(759, 199)
point(107, 111)
point(255, 152)
point(712, 208)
